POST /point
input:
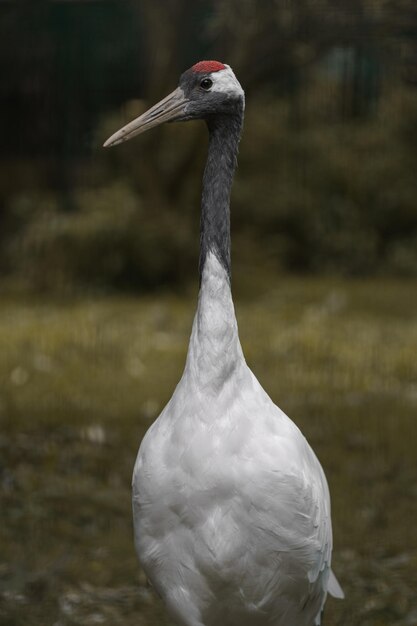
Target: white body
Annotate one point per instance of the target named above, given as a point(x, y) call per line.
point(231, 506)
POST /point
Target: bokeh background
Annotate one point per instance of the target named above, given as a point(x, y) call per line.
point(98, 279)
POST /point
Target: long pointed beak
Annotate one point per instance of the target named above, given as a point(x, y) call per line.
point(170, 109)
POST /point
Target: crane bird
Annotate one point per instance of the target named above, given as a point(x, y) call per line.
point(231, 506)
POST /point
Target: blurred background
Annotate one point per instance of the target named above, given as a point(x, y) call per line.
point(98, 278)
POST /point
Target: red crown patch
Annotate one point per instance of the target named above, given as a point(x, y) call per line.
point(208, 67)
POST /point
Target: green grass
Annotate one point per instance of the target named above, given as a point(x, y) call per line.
point(82, 380)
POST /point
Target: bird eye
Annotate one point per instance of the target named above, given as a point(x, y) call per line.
point(206, 83)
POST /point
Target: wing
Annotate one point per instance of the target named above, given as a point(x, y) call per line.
point(321, 572)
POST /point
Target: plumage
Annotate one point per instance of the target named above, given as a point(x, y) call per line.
point(231, 506)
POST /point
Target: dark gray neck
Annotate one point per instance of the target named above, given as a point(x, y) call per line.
point(224, 135)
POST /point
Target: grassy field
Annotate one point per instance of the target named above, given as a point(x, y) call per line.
point(82, 380)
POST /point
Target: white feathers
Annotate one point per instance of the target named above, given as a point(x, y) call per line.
point(231, 506)
point(225, 81)
point(334, 588)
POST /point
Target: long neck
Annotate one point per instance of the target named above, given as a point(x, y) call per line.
point(224, 135)
point(214, 352)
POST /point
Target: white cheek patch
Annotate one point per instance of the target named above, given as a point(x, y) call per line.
point(224, 81)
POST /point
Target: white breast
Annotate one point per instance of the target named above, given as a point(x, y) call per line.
point(231, 506)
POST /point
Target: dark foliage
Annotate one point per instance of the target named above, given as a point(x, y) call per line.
point(326, 179)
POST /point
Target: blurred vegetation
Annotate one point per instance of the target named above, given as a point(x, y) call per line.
point(326, 185)
point(81, 381)
point(326, 181)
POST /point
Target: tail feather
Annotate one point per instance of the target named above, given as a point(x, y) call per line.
point(334, 588)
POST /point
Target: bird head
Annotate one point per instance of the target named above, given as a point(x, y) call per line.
point(206, 90)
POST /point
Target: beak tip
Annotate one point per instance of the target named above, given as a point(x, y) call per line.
point(111, 141)
point(118, 137)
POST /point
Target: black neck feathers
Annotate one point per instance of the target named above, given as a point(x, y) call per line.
point(224, 136)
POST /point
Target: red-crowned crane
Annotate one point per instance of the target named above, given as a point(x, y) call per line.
point(231, 506)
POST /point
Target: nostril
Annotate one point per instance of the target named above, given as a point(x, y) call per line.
point(155, 113)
